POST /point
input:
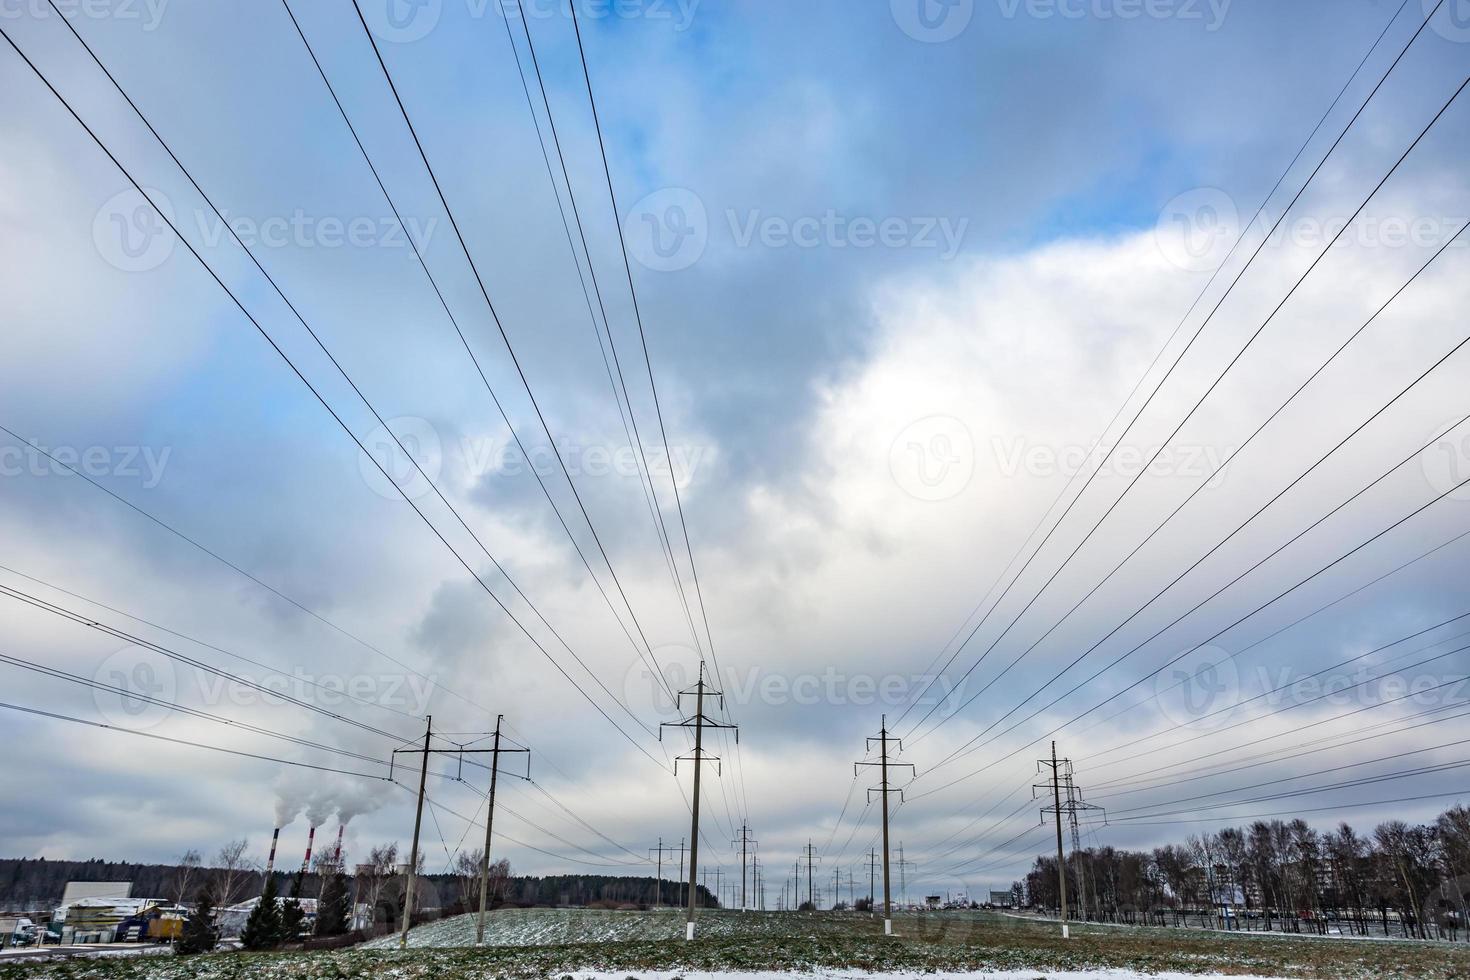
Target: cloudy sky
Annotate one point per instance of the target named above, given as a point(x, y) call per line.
point(907, 273)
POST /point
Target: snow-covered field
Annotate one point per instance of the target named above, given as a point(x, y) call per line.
point(541, 927)
point(584, 944)
point(869, 975)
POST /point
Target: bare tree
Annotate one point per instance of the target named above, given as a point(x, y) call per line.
point(467, 877)
point(375, 873)
point(232, 871)
point(185, 875)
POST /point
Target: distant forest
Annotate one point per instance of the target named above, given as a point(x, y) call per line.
point(1407, 879)
point(38, 883)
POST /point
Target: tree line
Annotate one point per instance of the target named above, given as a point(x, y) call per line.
point(1408, 880)
point(231, 876)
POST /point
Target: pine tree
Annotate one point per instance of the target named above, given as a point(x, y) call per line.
point(263, 927)
point(293, 917)
point(331, 911)
point(200, 932)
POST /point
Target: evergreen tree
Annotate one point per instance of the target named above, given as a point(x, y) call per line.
point(263, 927)
point(200, 932)
point(332, 910)
point(293, 917)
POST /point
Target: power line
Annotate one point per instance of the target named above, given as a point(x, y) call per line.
point(358, 391)
point(334, 691)
point(126, 693)
point(190, 743)
point(341, 423)
point(1260, 209)
point(479, 369)
point(1277, 782)
point(634, 437)
point(1228, 460)
point(1332, 564)
point(964, 749)
point(196, 544)
point(648, 364)
point(505, 337)
point(1291, 625)
point(1265, 694)
point(1339, 717)
point(1345, 784)
point(1220, 302)
point(87, 621)
point(1326, 744)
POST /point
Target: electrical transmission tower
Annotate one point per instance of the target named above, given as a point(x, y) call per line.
point(809, 855)
point(756, 884)
point(699, 722)
point(460, 751)
point(872, 880)
point(660, 850)
point(884, 790)
point(745, 842)
point(1073, 805)
point(1061, 773)
point(903, 883)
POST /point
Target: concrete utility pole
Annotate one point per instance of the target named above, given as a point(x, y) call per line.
point(884, 790)
point(489, 824)
point(743, 842)
point(460, 751)
point(682, 850)
point(1061, 860)
point(811, 860)
point(660, 850)
point(1061, 772)
point(418, 822)
point(699, 722)
point(872, 879)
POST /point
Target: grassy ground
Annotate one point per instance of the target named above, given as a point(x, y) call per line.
point(558, 943)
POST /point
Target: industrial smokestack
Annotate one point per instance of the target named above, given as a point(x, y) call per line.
point(270, 863)
point(310, 839)
point(337, 854)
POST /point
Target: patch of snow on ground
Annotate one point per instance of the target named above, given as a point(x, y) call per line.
point(1033, 974)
